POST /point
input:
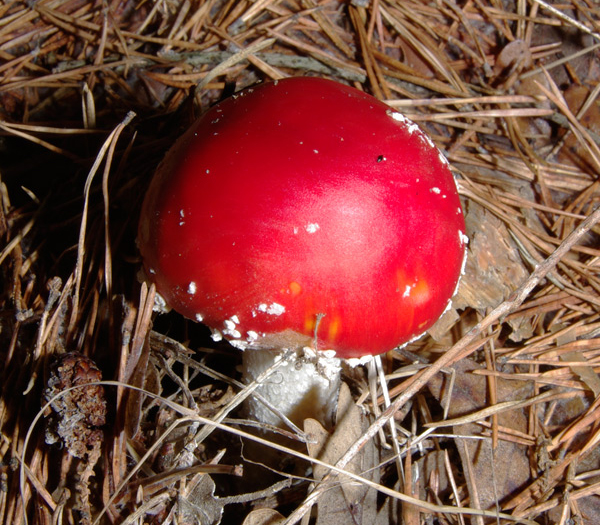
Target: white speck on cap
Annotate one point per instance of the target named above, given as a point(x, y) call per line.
point(356, 361)
point(240, 345)
point(271, 309)
point(233, 333)
point(192, 288)
point(312, 227)
point(425, 138)
point(199, 318)
point(230, 327)
point(443, 159)
point(399, 117)
point(160, 305)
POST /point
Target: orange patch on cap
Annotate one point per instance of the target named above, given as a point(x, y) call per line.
point(400, 280)
point(420, 292)
point(295, 289)
point(334, 327)
point(309, 323)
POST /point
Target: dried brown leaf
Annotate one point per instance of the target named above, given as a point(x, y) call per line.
point(496, 473)
point(573, 151)
point(346, 501)
point(494, 267)
point(264, 517)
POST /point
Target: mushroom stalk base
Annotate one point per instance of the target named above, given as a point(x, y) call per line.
point(304, 387)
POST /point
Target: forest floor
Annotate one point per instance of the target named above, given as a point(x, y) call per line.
point(492, 417)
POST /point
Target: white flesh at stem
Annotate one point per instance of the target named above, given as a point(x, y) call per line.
point(306, 386)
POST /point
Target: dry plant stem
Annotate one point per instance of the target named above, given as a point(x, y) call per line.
point(113, 137)
point(567, 18)
point(387, 402)
point(460, 350)
point(241, 55)
point(493, 410)
point(36, 140)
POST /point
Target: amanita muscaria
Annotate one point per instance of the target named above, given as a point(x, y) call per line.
point(304, 214)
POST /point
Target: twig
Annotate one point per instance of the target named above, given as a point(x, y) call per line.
point(82, 231)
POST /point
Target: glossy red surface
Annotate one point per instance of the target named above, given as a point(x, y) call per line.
point(300, 198)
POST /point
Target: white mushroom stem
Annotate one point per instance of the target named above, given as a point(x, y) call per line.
point(304, 387)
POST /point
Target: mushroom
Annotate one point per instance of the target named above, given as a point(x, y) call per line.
point(306, 215)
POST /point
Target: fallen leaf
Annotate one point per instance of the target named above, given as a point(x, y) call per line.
point(264, 517)
point(514, 57)
point(198, 504)
point(347, 502)
point(494, 267)
point(491, 474)
point(585, 373)
point(573, 151)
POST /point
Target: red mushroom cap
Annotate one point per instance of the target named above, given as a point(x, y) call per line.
point(305, 212)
